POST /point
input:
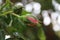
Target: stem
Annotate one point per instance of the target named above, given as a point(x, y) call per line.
point(15, 15)
point(19, 20)
point(5, 13)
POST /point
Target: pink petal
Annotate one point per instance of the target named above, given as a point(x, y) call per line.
point(33, 20)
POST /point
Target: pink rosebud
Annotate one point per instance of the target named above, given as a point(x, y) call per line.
point(33, 20)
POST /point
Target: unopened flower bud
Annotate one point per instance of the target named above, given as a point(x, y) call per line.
point(33, 20)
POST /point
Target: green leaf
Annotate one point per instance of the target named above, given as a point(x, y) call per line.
point(41, 34)
point(11, 30)
point(7, 6)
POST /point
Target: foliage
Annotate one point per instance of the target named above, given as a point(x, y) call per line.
point(14, 22)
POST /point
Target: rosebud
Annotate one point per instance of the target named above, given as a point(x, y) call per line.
point(28, 7)
point(33, 20)
point(46, 21)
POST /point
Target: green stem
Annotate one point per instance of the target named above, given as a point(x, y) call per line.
point(5, 13)
point(15, 15)
point(18, 17)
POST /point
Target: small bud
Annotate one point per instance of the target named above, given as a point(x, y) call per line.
point(28, 7)
point(33, 20)
point(46, 21)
